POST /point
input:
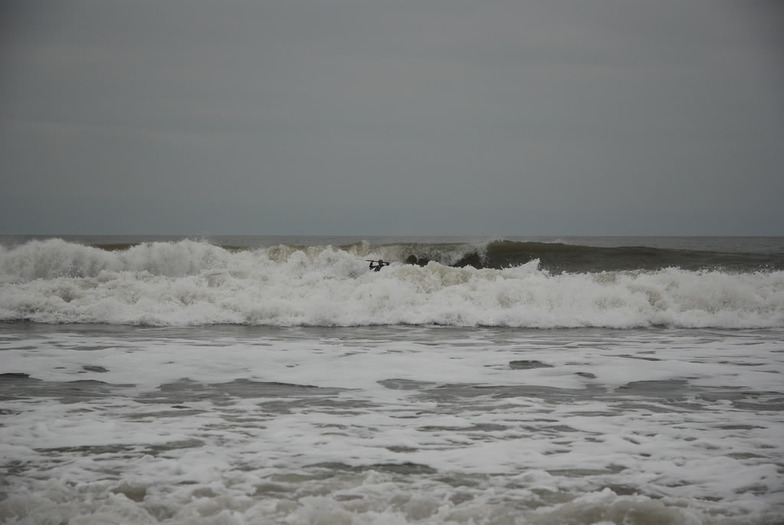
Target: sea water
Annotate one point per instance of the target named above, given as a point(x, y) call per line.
point(281, 381)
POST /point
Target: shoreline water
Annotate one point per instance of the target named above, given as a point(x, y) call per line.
point(181, 382)
point(390, 424)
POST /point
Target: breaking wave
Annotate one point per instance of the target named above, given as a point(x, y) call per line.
point(500, 283)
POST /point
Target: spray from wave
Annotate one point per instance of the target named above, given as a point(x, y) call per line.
point(193, 283)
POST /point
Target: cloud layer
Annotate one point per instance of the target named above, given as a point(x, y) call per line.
point(434, 117)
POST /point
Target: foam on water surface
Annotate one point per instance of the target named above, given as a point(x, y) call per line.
point(390, 425)
point(191, 283)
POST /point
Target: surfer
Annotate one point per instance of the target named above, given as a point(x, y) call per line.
point(378, 266)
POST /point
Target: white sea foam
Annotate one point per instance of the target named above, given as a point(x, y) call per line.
point(192, 283)
point(391, 426)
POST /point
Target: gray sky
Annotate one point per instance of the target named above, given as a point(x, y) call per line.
point(463, 117)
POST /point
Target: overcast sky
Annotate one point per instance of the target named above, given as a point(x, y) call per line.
point(365, 117)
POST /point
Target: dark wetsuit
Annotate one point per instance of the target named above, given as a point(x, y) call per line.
point(377, 267)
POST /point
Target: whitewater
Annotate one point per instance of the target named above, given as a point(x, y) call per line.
point(238, 381)
point(195, 283)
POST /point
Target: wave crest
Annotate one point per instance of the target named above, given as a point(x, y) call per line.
point(194, 283)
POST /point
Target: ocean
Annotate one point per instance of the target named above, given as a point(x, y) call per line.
point(475, 381)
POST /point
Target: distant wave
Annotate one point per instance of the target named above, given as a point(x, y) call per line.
point(193, 283)
point(560, 257)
